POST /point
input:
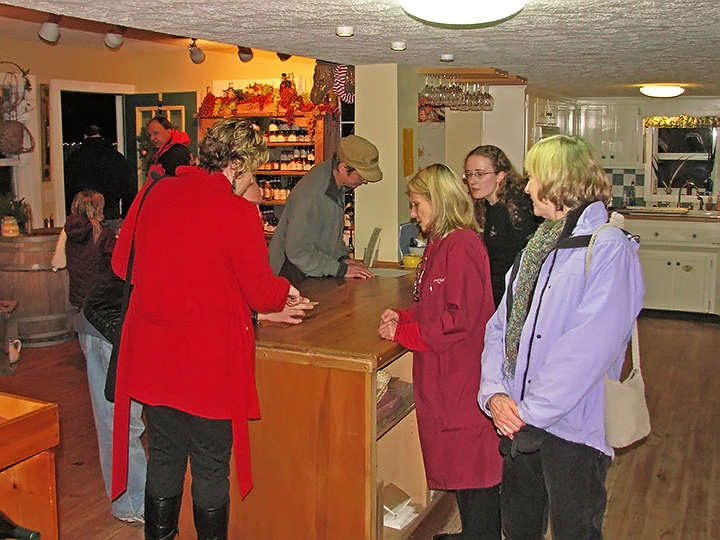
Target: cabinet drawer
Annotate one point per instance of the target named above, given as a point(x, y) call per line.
point(674, 231)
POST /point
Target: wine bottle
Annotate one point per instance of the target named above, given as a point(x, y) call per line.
point(10, 529)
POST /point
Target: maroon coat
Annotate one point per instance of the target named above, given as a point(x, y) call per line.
point(446, 330)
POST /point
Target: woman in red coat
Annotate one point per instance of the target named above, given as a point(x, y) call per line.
point(188, 349)
point(445, 327)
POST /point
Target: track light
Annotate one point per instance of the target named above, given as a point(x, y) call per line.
point(283, 57)
point(50, 31)
point(114, 37)
point(196, 53)
point(245, 53)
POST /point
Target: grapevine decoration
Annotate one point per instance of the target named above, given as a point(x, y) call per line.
point(146, 151)
point(682, 121)
point(285, 101)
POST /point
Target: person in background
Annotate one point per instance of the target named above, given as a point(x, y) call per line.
point(308, 240)
point(548, 351)
point(444, 328)
point(290, 314)
point(188, 350)
point(97, 165)
point(171, 147)
point(87, 253)
point(502, 208)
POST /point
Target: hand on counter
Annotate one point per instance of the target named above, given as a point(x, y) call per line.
point(290, 314)
point(294, 298)
point(388, 324)
point(356, 269)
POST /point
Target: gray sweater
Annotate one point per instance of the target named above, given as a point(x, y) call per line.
point(310, 230)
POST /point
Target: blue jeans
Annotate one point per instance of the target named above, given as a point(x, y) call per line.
point(131, 503)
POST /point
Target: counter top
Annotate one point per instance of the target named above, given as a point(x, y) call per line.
point(344, 323)
point(709, 216)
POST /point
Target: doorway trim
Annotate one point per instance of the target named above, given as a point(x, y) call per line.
point(57, 169)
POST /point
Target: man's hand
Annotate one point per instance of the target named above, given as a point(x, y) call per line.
point(356, 269)
point(290, 314)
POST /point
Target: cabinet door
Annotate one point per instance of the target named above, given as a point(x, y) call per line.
point(590, 127)
point(657, 267)
point(692, 282)
point(623, 124)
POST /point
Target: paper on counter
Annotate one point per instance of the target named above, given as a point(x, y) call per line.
point(401, 519)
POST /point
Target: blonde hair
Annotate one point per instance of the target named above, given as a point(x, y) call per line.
point(567, 171)
point(91, 204)
point(232, 141)
point(452, 206)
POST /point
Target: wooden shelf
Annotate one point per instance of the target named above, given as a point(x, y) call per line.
point(296, 143)
point(273, 202)
point(405, 404)
point(280, 173)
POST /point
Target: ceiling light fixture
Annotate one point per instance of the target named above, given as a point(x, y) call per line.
point(398, 45)
point(447, 57)
point(50, 31)
point(461, 12)
point(344, 31)
point(662, 90)
point(245, 53)
point(196, 53)
point(114, 37)
point(283, 57)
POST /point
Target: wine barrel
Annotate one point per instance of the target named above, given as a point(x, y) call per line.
point(43, 314)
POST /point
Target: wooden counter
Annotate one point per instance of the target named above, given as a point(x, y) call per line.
point(319, 460)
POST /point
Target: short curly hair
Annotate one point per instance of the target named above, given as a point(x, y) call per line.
point(232, 140)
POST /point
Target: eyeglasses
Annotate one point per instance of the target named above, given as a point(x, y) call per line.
point(469, 174)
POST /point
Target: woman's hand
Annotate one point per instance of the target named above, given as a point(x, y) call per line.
point(294, 298)
point(505, 415)
point(290, 314)
point(388, 324)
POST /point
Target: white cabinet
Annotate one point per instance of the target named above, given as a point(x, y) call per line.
point(615, 130)
point(680, 263)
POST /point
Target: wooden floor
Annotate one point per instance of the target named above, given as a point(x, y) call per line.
point(667, 487)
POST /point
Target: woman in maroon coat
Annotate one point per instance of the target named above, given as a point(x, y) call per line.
point(445, 327)
point(188, 349)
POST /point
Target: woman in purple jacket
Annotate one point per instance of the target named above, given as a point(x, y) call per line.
point(556, 334)
point(444, 327)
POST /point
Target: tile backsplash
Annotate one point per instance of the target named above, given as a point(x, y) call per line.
point(621, 180)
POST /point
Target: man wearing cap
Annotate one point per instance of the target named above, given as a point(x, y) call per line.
point(308, 240)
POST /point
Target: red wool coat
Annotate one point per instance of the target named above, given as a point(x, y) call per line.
point(188, 340)
point(446, 331)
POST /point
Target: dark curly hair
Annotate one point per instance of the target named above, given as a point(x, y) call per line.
point(232, 140)
point(511, 191)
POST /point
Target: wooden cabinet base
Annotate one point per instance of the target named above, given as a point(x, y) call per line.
point(29, 431)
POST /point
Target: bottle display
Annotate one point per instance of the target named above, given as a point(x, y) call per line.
point(10, 529)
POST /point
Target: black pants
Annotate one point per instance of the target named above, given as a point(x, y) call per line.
point(173, 436)
point(479, 513)
point(563, 479)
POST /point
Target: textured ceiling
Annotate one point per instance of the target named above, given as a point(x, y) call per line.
point(568, 47)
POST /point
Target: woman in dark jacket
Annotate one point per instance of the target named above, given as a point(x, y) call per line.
point(502, 209)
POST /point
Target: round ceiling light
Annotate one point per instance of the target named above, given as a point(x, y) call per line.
point(447, 57)
point(114, 37)
point(662, 90)
point(461, 12)
point(344, 31)
point(398, 45)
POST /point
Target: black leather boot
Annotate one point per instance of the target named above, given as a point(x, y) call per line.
point(161, 517)
point(211, 523)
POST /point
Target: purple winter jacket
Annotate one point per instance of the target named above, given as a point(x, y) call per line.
point(87, 260)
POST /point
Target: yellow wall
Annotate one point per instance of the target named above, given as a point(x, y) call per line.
point(164, 71)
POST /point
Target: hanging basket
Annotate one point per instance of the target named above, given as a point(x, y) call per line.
point(12, 138)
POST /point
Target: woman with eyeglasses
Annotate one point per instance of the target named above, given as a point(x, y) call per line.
point(445, 328)
point(502, 209)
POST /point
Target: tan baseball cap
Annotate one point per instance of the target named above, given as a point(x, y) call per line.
point(361, 155)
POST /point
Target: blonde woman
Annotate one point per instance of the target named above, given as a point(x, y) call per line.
point(445, 327)
point(558, 332)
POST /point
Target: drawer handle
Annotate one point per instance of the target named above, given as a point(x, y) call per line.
point(694, 235)
point(669, 263)
point(657, 234)
point(687, 268)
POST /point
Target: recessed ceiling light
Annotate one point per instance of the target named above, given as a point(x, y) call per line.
point(461, 12)
point(447, 57)
point(662, 90)
point(398, 45)
point(344, 31)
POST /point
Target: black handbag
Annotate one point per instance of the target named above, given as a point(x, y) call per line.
point(112, 366)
